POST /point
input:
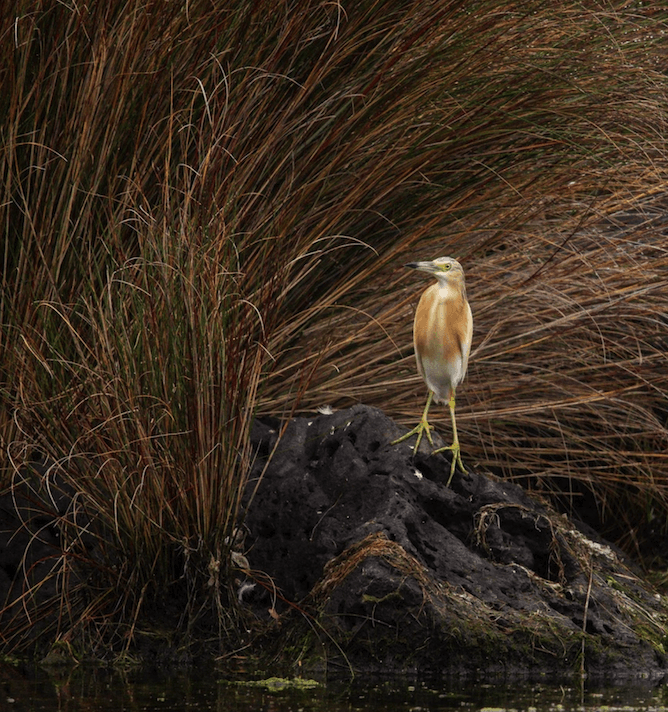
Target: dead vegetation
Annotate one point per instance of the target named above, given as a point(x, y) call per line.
point(204, 215)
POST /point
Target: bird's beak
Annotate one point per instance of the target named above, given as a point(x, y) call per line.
point(422, 266)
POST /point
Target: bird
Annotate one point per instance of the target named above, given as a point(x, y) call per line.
point(442, 332)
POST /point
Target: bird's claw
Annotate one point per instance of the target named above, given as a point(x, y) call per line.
point(456, 459)
point(421, 428)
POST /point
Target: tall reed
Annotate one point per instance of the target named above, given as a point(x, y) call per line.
point(204, 212)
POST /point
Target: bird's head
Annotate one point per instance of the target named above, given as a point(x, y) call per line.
point(445, 269)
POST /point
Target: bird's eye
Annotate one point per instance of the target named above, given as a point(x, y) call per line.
point(446, 268)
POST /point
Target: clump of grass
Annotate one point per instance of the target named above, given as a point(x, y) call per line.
point(225, 238)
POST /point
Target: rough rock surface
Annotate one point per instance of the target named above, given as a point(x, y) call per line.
point(395, 570)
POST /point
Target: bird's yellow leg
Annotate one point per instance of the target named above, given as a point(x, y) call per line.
point(454, 448)
point(422, 427)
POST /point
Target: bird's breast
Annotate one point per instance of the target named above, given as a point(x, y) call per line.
point(442, 338)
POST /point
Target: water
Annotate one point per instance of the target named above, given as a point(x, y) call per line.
point(99, 690)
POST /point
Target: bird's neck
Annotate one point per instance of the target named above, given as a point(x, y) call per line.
point(448, 291)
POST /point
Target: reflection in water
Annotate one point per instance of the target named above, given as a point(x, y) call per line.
point(102, 690)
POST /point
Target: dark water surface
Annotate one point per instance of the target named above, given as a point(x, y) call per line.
point(100, 690)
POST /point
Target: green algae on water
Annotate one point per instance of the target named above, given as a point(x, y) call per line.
point(278, 684)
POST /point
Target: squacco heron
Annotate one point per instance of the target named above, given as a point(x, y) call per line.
point(442, 333)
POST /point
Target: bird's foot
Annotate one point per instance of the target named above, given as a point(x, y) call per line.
point(456, 459)
point(421, 428)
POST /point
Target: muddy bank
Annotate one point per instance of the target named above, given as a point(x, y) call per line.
point(361, 558)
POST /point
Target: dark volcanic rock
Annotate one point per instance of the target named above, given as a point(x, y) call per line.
point(400, 570)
